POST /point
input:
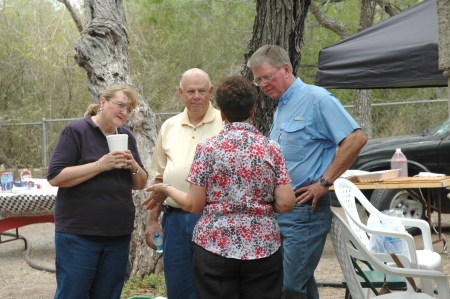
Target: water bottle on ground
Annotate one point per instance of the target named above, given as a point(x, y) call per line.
point(399, 161)
point(158, 242)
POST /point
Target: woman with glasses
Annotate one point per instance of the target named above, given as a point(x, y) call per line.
point(94, 210)
point(238, 179)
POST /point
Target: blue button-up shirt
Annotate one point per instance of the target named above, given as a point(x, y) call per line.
point(309, 124)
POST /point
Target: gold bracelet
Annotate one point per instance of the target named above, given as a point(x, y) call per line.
point(98, 166)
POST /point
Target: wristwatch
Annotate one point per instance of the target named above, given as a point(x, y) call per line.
point(324, 182)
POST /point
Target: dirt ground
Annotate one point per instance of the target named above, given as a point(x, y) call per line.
point(19, 280)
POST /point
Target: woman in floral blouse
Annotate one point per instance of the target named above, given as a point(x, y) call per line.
point(238, 180)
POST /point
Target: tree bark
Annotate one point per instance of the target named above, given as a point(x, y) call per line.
point(443, 9)
point(276, 23)
point(387, 7)
point(4, 160)
point(362, 110)
point(102, 50)
point(363, 98)
point(367, 14)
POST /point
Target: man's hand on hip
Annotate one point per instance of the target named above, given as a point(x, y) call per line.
point(312, 192)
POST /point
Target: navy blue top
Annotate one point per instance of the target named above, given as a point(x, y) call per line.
point(102, 205)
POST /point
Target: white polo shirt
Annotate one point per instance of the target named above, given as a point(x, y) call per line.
point(175, 147)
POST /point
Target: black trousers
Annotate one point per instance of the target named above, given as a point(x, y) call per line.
point(217, 277)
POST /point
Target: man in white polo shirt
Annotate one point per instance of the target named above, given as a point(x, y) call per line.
point(172, 158)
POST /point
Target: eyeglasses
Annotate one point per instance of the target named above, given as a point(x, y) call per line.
point(266, 79)
point(122, 107)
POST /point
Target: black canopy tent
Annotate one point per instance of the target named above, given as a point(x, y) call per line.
point(400, 52)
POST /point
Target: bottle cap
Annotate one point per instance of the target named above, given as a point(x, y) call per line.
point(156, 234)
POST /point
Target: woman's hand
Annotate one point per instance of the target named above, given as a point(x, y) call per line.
point(118, 159)
point(156, 198)
point(113, 160)
point(131, 163)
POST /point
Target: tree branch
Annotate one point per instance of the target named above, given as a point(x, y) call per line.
point(328, 22)
point(387, 7)
point(74, 15)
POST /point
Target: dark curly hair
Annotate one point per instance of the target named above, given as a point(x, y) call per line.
point(236, 98)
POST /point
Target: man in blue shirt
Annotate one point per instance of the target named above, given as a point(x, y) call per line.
point(309, 124)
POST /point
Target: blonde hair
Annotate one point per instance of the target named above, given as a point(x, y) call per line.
point(273, 54)
point(129, 91)
point(92, 110)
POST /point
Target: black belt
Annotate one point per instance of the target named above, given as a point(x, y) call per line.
point(309, 202)
point(169, 209)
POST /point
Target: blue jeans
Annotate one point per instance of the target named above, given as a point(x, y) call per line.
point(90, 267)
point(304, 232)
point(177, 256)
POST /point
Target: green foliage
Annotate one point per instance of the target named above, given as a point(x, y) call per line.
point(38, 75)
point(40, 79)
point(388, 120)
point(407, 119)
point(173, 36)
point(152, 285)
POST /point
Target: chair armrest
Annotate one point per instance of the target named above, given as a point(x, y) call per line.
point(421, 224)
point(382, 258)
point(424, 228)
point(402, 235)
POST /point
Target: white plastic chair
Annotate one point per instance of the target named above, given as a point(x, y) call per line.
point(346, 193)
point(340, 236)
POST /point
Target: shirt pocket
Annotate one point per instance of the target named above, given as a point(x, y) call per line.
point(292, 140)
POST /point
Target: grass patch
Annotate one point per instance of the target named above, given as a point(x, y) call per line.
point(152, 286)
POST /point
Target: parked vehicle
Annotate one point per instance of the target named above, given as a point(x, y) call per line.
point(426, 152)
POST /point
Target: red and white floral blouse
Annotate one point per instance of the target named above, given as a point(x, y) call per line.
point(240, 169)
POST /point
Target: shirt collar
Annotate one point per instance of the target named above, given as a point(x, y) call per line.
point(239, 126)
point(287, 95)
point(209, 116)
point(92, 124)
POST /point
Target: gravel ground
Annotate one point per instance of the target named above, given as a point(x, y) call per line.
point(19, 280)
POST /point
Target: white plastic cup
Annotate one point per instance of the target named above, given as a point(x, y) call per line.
point(117, 142)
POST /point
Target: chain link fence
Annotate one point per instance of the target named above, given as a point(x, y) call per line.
point(30, 140)
point(44, 142)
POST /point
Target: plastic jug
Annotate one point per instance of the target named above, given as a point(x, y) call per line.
point(6, 181)
point(399, 161)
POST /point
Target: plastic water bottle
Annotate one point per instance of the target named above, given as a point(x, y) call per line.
point(158, 242)
point(399, 161)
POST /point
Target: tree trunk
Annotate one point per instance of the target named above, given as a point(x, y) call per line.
point(363, 98)
point(102, 51)
point(361, 110)
point(276, 23)
point(4, 160)
point(443, 9)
